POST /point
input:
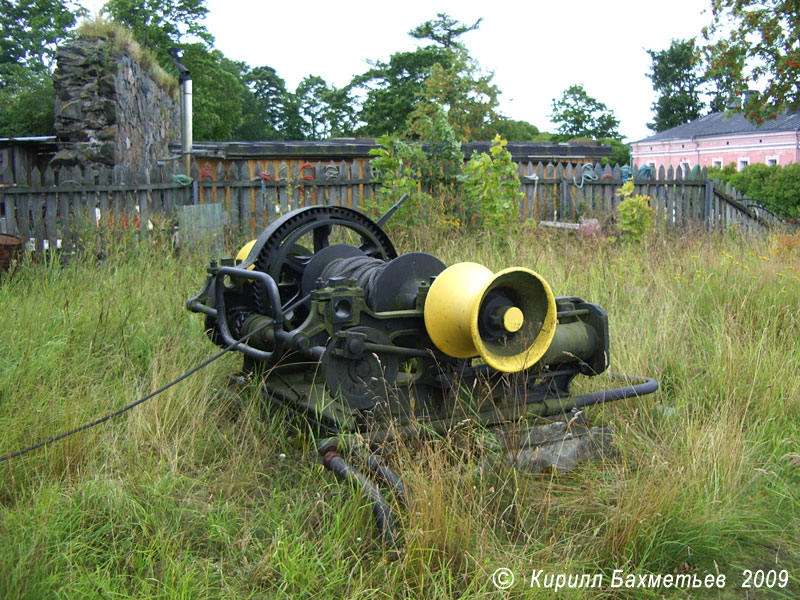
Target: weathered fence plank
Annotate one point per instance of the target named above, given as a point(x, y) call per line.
point(37, 211)
point(51, 209)
point(261, 200)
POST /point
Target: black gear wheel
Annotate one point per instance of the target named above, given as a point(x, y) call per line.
point(280, 251)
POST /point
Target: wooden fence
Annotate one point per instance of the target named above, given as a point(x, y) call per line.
point(567, 193)
point(54, 207)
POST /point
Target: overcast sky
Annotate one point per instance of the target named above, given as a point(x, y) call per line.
point(536, 49)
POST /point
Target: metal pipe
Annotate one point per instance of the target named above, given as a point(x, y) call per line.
point(186, 114)
point(222, 322)
point(185, 79)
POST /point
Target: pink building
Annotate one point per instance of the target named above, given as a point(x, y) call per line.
point(717, 140)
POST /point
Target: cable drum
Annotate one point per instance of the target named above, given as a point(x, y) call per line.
point(388, 285)
point(364, 270)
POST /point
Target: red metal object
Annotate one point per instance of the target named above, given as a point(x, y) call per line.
point(207, 172)
point(308, 167)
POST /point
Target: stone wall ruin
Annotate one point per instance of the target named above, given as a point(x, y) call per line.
point(109, 111)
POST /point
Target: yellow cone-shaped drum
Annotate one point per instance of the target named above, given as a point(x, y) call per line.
point(242, 255)
point(509, 319)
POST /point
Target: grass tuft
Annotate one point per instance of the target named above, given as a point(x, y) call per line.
point(122, 39)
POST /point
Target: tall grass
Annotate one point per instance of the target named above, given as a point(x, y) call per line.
point(201, 493)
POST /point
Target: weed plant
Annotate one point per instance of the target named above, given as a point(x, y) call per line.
point(202, 493)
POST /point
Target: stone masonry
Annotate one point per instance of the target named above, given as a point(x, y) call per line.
point(108, 110)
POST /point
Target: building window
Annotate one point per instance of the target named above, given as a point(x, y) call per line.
point(743, 162)
point(684, 168)
point(772, 161)
point(716, 163)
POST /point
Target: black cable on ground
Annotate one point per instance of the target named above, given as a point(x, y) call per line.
point(127, 407)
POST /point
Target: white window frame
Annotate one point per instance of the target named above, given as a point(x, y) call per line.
point(776, 159)
point(717, 162)
point(742, 162)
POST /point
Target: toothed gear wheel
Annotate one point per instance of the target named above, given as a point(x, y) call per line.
point(237, 319)
point(282, 253)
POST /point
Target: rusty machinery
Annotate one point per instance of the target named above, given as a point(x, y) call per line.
point(359, 340)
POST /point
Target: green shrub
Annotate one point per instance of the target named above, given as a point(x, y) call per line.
point(636, 215)
point(491, 186)
point(775, 184)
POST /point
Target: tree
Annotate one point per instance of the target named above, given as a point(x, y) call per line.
point(440, 73)
point(162, 24)
point(32, 29)
point(676, 77)
point(218, 93)
point(325, 111)
point(394, 87)
point(516, 131)
point(27, 105)
point(467, 95)
point(580, 115)
point(620, 152)
point(754, 44)
point(444, 30)
point(265, 105)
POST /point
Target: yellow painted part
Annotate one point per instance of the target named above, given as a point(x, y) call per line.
point(244, 253)
point(513, 319)
point(452, 308)
point(531, 355)
point(449, 305)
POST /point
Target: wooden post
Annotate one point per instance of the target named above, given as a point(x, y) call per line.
point(709, 195)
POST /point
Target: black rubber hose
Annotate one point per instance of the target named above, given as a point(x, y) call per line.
point(389, 477)
point(380, 508)
point(648, 386)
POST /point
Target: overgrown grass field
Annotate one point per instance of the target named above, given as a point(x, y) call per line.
point(200, 493)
